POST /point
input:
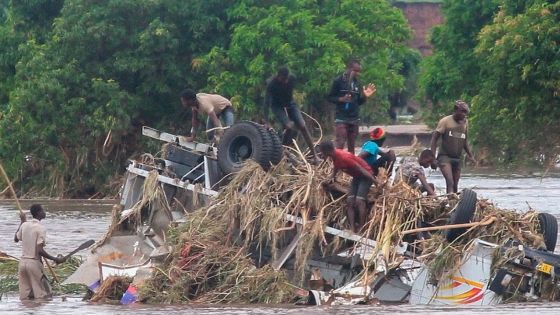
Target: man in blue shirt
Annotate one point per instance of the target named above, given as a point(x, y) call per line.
point(372, 148)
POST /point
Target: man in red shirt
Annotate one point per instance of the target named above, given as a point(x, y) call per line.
point(361, 181)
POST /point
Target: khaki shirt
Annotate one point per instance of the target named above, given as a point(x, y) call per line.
point(31, 234)
point(453, 136)
point(208, 103)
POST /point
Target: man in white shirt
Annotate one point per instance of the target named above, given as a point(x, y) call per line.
point(32, 234)
point(213, 105)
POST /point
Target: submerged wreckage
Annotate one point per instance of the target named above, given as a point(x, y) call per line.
point(204, 224)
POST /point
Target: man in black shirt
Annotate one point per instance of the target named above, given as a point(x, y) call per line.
point(347, 94)
point(279, 97)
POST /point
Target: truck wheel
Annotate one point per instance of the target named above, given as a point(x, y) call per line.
point(548, 226)
point(277, 149)
point(268, 145)
point(241, 142)
point(464, 212)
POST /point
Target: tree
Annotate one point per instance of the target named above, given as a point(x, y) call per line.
point(85, 77)
point(314, 39)
point(517, 109)
point(106, 69)
point(453, 71)
point(20, 22)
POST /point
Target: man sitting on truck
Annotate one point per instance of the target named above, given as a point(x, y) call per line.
point(214, 105)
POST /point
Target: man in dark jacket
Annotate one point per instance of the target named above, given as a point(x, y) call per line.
point(279, 97)
point(347, 94)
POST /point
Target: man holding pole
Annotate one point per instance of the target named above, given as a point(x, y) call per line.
point(32, 234)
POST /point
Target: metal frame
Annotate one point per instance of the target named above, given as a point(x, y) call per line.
point(171, 138)
point(171, 181)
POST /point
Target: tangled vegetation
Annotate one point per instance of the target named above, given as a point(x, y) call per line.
point(222, 254)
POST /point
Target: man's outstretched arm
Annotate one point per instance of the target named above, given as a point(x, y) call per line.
point(43, 253)
point(426, 185)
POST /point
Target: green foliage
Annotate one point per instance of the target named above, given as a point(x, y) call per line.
point(503, 56)
point(518, 106)
point(9, 277)
point(452, 72)
point(79, 78)
point(314, 39)
point(107, 67)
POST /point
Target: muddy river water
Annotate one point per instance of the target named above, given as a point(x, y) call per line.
point(71, 222)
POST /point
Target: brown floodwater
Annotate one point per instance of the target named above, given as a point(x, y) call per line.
point(71, 222)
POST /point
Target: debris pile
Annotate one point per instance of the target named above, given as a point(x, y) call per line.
point(221, 254)
point(112, 290)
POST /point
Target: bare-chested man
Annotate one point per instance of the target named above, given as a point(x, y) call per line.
point(453, 132)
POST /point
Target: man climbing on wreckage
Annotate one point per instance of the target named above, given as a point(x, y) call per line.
point(411, 171)
point(362, 179)
point(280, 97)
point(348, 95)
point(453, 132)
point(215, 106)
point(374, 147)
point(32, 281)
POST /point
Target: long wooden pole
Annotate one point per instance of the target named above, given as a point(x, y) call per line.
point(11, 189)
point(51, 270)
point(22, 214)
point(451, 226)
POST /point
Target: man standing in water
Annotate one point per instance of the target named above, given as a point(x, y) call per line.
point(279, 97)
point(453, 132)
point(347, 95)
point(32, 234)
point(362, 179)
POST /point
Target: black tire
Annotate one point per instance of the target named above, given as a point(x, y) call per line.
point(241, 142)
point(548, 227)
point(464, 212)
point(277, 149)
point(268, 146)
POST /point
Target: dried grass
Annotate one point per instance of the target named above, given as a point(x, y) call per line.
point(216, 249)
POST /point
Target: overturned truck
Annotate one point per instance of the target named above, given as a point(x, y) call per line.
point(240, 223)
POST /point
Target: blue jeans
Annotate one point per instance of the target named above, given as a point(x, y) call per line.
point(289, 113)
point(285, 115)
point(227, 118)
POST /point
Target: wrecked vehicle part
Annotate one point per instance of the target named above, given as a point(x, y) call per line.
point(469, 285)
point(374, 265)
point(248, 140)
point(151, 199)
point(463, 213)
